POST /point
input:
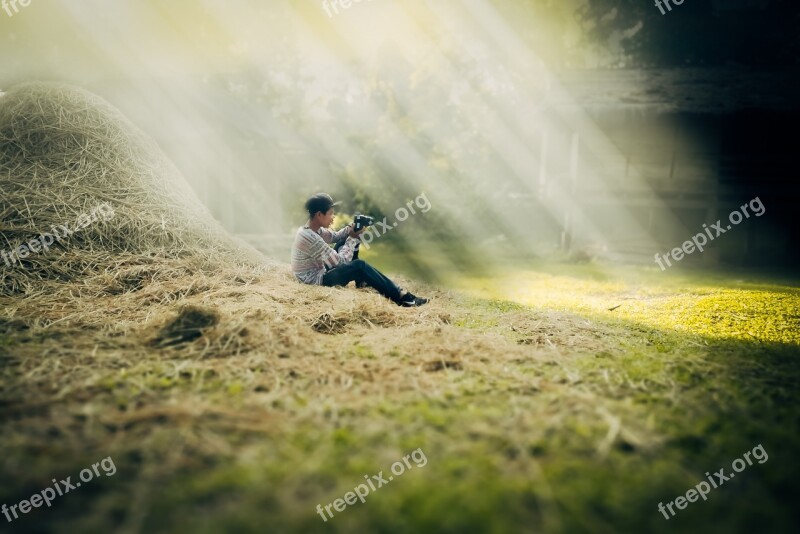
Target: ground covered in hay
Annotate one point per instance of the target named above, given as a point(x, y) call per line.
point(237, 400)
point(230, 398)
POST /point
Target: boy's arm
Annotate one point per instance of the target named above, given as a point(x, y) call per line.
point(332, 258)
point(335, 237)
point(347, 250)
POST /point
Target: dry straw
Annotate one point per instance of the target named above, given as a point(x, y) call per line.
point(63, 151)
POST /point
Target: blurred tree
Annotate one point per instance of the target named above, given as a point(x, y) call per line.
point(707, 32)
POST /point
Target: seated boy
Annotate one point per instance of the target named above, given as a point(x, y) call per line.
point(315, 262)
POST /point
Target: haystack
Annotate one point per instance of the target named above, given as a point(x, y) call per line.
point(63, 153)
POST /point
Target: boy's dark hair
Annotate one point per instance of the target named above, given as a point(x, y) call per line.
point(320, 202)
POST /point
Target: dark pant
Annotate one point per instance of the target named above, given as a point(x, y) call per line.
point(361, 271)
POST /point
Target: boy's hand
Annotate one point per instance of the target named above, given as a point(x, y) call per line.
point(354, 233)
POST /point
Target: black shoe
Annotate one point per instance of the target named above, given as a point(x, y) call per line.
point(409, 300)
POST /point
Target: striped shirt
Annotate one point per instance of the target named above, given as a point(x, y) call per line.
point(311, 253)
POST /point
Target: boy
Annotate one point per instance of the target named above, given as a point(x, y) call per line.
point(314, 262)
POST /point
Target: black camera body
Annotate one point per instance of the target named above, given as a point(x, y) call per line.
point(362, 221)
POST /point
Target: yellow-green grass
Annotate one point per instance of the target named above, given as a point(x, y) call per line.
point(728, 309)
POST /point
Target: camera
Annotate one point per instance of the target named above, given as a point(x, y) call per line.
point(362, 221)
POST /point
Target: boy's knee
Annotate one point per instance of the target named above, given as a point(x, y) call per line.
point(359, 263)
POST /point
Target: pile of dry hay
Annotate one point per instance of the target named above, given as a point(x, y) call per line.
point(63, 152)
point(160, 261)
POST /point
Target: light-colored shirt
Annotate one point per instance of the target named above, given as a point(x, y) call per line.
point(311, 252)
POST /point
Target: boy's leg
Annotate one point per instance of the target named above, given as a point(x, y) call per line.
point(338, 245)
point(341, 275)
point(361, 271)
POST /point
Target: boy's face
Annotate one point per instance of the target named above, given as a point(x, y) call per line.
point(325, 219)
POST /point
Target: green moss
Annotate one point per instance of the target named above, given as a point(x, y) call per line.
point(360, 351)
